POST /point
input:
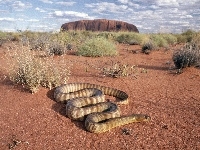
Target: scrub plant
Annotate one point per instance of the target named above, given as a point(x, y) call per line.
point(97, 47)
point(27, 68)
point(188, 55)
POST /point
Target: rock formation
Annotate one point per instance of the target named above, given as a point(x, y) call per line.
point(99, 25)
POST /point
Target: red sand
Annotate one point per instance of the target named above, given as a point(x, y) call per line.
point(36, 121)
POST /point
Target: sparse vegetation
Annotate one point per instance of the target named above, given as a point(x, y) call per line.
point(56, 48)
point(37, 41)
point(189, 55)
point(51, 44)
point(27, 68)
point(186, 36)
point(147, 47)
point(97, 47)
point(196, 39)
point(119, 69)
point(189, 34)
point(3, 37)
point(131, 38)
point(170, 38)
point(158, 41)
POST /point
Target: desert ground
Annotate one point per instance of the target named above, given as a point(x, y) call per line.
point(172, 100)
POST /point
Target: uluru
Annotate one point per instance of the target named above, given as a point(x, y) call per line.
point(99, 25)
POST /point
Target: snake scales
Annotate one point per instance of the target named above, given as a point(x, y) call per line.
point(84, 100)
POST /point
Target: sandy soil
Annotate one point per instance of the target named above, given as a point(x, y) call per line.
point(36, 121)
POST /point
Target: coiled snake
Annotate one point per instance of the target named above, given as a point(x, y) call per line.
point(85, 100)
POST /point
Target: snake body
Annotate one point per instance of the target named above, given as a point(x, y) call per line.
point(85, 100)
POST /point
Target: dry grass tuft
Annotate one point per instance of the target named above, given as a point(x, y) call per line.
point(118, 69)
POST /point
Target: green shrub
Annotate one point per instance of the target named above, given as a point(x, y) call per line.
point(189, 34)
point(170, 38)
point(181, 38)
point(196, 39)
point(122, 38)
point(3, 37)
point(107, 35)
point(186, 36)
point(158, 40)
point(97, 47)
point(73, 38)
point(188, 56)
point(129, 38)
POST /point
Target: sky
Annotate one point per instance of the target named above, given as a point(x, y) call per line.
point(149, 16)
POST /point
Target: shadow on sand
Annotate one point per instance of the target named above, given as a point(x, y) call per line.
point(60, 108)
point(154, 67)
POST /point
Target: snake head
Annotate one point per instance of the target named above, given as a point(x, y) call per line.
point(142, 117)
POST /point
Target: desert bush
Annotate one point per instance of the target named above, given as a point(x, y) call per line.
point(87, 34)
point(148, 46)
point(129, 38)
point(107, 35)
point(1, 42)
point(188, 55)
point(64, 37)
point(186, 36)
point(31, 71)
point(51, 44)
point(3, 38)
point(97, 47)
point(72, 38)
point(3, 35)
point(69, 46)
point(181, 38)
point(158, 40)
point(170, 38)
point(189, 34)
point(119, 70)
point(14, 36)
point(39, 41)
point(122, 38)
point(196, 39)
point(155, 41)
point(55, 48)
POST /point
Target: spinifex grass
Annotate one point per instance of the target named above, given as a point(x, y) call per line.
point(97, 47)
